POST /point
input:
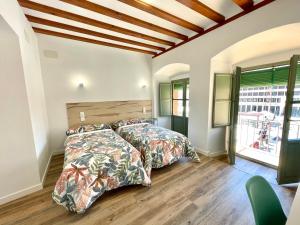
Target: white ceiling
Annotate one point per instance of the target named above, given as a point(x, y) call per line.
point(225, 7)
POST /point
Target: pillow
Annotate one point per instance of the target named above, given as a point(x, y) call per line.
point(87, 128)
point(120, 123)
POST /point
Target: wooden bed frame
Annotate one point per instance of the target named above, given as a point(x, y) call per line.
point(107, 112)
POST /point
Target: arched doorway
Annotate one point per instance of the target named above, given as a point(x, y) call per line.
point(261, 107)
point(171, 83)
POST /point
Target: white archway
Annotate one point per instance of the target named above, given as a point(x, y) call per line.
point(166, 74)
point(270, 46)
point(171, 70)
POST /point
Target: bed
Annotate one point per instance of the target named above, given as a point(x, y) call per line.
point(159, 146)
point(96, 160)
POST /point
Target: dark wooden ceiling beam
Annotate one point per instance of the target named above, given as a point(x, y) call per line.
point(244, 4)
point(77, 38)
point(229, 20)
point(123, 17)
point(141, 5)
point(51, 23)
point(203, 10)
point(71, 16)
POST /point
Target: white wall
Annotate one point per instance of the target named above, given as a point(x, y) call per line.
point(199, 52)
point(27, 74)
point(270, 58)
point(109, 75)
point(17, 153)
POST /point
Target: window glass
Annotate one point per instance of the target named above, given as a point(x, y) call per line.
point(178, 107)
point(294, 132)
point(187, 109)
point(188, 91)
point(243, 108)
point(272, 109)
point(259, 108)
point(295, 112)
point(178, 91)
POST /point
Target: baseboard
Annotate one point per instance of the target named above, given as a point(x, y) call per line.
point(20, 193)
point(58, 152)
point(211, 154)
point(46, 169)
point(217, 154)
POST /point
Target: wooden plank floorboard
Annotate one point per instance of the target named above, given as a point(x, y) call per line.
point(211, 192)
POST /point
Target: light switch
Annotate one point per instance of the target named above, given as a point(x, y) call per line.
point(82, 116)
point(144, 110)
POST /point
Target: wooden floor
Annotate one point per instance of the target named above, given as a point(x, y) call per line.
point(210, 192)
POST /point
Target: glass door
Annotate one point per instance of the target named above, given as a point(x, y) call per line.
point(289, 162)
point(180, 105)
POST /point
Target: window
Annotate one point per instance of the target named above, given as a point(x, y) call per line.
point(272, 109)
point(243, 108)
point(178, 107)
point(277, 110)
point(259, 108)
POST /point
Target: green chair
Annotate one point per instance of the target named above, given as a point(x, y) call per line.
point(265, 203)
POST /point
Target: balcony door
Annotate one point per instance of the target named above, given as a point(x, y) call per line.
point(289, 162)
point(180, 106)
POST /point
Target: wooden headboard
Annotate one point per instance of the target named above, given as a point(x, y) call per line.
point(107, 112)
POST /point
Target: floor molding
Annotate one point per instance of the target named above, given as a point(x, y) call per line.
point(20, 193)
point(59, 152)
point(211, 154)
point(29, 190)
point(46, 169)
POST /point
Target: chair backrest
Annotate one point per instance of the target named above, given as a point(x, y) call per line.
point(265, 203)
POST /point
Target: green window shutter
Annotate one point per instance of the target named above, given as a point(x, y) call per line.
point(222, 100)
point(165, 99)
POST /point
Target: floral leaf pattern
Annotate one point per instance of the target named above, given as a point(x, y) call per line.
point(87, 128)
point(159, 146)
point(96, 162)
point(115, 125)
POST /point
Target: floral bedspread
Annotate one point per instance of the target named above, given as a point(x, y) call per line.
point(159, 146)
point(96, 162)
